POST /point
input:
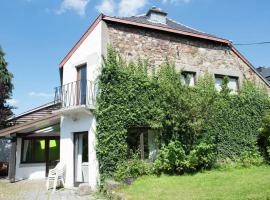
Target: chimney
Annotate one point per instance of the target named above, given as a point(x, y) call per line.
point(156, 15)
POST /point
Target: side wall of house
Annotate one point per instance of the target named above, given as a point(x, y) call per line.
point(189, 54)
point(89, 52)
point(28, 171)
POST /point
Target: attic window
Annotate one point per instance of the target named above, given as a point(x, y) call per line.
point(157, 15)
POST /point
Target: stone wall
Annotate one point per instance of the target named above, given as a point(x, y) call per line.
point(189, 54)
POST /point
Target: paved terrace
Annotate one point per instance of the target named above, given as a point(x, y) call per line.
point(36, 190)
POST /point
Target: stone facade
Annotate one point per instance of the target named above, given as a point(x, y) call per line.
point(189, 54)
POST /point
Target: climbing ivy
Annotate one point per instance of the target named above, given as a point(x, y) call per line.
point(136, 95)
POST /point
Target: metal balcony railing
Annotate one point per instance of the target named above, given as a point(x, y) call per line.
point(76, 93)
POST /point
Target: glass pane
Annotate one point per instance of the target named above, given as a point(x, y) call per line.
point(27, 154)
point(39, 150)
point(146, 149)
point(54, 150)
point(233, 85)
point(83, 84)
point(188, 78)
point(85, 148)
point(218, 83)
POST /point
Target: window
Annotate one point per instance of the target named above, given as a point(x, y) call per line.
point(36, 150)
point(232, 83)
point(188, 78)
point(137, 141)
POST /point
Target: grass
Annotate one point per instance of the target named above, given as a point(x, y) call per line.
point(244, 183)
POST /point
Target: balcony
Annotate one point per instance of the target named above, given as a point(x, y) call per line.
point(76, 96)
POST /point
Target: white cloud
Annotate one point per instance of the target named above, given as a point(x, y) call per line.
point(40, 94)
point(121, 7)
point(12, 102)
point(130, 7)
point(78, 6)
point(175, 1)
point(107, 7)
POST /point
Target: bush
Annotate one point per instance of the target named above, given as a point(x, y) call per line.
point(249, 159)
point(264, 137)
point(171, 158)
point(132, 168)
point(201, 157)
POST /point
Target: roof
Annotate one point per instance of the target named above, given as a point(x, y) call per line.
point(265, 72)
point(171, 26)
point(34, 113)
point(32, 119)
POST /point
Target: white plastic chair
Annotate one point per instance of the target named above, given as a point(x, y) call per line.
point(56, 175)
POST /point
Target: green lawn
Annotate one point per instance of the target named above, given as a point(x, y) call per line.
point(250, 183)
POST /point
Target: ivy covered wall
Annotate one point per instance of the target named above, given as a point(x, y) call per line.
point(135, 95)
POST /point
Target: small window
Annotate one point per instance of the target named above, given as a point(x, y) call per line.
point(232, 83)
point(188, 78)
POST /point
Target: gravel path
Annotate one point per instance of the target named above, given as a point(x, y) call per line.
point(36, 190)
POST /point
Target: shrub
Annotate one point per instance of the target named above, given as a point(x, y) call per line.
point(201, 157)
point(264, 137)
point(133, 168)
point(171, 158)
point(249, 159)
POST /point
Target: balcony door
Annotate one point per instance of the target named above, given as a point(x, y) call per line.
point(81, 84)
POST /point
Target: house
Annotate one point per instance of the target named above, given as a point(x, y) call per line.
point(265, 72)
point(66, 129)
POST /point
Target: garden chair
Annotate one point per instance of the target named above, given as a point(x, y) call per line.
point(56, 175)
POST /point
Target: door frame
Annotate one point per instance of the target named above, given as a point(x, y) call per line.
point(75, 183)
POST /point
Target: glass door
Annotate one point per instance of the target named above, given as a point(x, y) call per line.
point(80, 158)
point(53, 153)
point(81, 84)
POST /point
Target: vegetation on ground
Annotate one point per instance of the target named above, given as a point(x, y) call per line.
point(230, 184)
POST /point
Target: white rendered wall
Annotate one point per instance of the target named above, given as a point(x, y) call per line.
point(89, 52)
point(70, 124)
point(28, 171)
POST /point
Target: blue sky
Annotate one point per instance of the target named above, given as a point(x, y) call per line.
point(36, 34)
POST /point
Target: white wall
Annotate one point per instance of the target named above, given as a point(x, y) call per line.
point(70, 124)
point(28, 171)
point(89, 52)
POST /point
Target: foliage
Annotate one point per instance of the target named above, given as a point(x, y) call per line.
point(5, 90)
point(137, 95)
point(171, 158)
point(264, 137)
point(132, 168)
point(201, 157)
point(235, 119)
point(249, 159)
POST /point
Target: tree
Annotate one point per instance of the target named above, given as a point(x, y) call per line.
point(6, 87)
